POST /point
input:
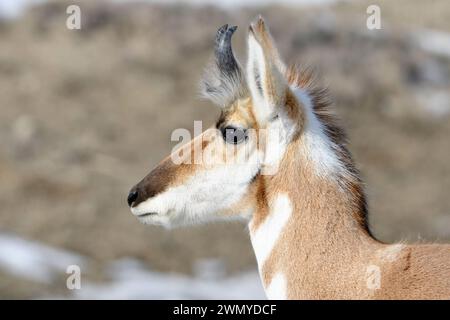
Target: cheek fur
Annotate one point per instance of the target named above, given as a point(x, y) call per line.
point(203, 196)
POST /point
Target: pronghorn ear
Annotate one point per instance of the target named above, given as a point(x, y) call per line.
point(223, 81)
point(265, 70)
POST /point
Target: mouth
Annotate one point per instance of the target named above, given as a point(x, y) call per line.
point(146, 214)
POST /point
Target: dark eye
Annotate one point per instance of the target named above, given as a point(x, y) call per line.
point(234, 135)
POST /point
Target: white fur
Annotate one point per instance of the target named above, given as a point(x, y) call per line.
point(279, 135)
point(201, 196)
point(277, 289)
point(256, 61)
point(266, 235)
point(319, 149)
point(391, 252)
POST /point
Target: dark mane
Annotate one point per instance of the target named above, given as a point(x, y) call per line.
point(322, 106)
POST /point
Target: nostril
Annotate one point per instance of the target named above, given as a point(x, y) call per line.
point(132, 196)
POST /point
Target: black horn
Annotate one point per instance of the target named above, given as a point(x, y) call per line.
point(225, 60)
point(223, 80)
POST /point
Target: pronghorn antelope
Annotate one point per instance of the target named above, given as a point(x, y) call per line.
point(294, 181)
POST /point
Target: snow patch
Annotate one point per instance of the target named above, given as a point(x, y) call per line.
point(433, 41)
point(34, 261)
point(132, 281)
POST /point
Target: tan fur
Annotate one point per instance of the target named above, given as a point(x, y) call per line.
point(326, 250)
point(261, 32)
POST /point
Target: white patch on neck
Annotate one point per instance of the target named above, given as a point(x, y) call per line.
point(390, 253)
point(320, 150)
point(266, 235)
point(277, 289)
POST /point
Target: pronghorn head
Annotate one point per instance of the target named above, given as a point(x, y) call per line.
point(214, 176)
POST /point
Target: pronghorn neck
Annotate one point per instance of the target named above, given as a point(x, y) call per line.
point(311, 213)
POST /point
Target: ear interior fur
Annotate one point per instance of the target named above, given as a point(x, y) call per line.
point(267, 84)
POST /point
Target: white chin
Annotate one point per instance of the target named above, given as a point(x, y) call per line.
point(167, 220)
point(155, 219)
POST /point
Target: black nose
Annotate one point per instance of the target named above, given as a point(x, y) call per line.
point(132, 196)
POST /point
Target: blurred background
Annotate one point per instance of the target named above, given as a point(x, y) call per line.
point(85, 114)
